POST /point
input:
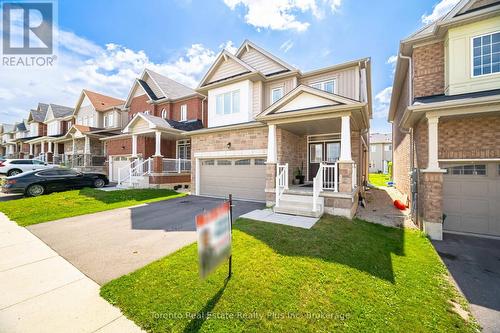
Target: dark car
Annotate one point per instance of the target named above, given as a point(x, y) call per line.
point(35, 183)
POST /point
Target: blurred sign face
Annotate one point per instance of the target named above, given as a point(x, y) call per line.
point(214, 238)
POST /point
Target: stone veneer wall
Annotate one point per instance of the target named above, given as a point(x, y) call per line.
point(292, 149)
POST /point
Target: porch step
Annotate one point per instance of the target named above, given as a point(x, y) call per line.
point(300, 205)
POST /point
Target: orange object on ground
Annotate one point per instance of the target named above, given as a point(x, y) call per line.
point(399, 205)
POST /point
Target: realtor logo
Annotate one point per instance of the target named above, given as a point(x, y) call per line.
point(28, 29)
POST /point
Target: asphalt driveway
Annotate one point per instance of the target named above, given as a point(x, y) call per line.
point(109, 244)
point(474, 264)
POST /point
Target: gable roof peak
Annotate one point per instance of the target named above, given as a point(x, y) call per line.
point(248, 43)
point(102, 102)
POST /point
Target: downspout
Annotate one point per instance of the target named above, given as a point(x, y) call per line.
point(203, 111)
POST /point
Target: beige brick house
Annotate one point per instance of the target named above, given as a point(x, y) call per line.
point(269, 122)
point(445, 111)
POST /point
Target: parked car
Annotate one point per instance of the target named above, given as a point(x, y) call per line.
point(38, 182)
point(12, 167)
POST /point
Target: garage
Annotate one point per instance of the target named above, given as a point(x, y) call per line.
point(119, 162)
point(244, 178)
point(471, 198)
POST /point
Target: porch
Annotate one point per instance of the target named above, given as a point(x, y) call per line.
point(324, 145)
point(159, 156)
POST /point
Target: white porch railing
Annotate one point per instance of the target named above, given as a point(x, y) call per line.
point(136, 168)
point(317, 187)
point(354, 176)
point(176, 165)
point(281, 181)
point(41, 157)
point(327, 178)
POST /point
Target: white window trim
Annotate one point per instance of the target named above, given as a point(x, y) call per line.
point(184, 112)
point(146, 112)
point(232, 92)
point(282, 89)
point(323, 82)
point(471, 56)
point(164, 113)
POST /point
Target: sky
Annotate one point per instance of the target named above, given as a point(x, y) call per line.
point(104, 45)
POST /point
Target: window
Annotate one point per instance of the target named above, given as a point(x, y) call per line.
point(316, 153)
point(53, 128)
point(208, 162)
point(469, 169)
point(262, 161)
point(276, 94)
point(70, 123)
point(164, 114)
point(328, 86)
point(21, 162)
point(48, 173)
point(184, 112)
point(184, 149)
point(242, 162)
point(38, 162)
point(486, 54)
point(373, 148)
point(387, 147)
point(34, 129)
point(111, 121)
point(146, 112)
point(228, 103)
point(86, 121)
point(224, 162)
point(66, 172)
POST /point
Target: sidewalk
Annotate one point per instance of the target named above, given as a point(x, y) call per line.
point(42, 292)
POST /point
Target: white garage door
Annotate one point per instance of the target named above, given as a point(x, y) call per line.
point(471, 198)
point(119, 162)
point(244, 178)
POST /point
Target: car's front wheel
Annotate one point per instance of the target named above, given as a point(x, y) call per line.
point(98, 183)
point(35, 190)
point(13, 172)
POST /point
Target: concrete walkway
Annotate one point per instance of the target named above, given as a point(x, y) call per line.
point(42, 292)
point(267, 215)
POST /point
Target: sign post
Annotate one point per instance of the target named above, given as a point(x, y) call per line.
point(213, 229)
point(231, 234)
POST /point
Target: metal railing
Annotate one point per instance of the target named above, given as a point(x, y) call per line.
point(135, 168)
point(317, 186)
point(281, 181)
point(176, 165)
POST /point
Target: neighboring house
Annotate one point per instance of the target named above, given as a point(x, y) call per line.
point(21, 133)
point(47, 124)
point(445, 110)
point(161, 110)
point(267, 120)
point(380, 152)
point(96, 116)
point(7, 141)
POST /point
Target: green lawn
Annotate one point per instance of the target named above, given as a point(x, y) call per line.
point(340, 275)
point(27, 211)
point(379, 179)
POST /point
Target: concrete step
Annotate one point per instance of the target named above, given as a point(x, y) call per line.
point(298, 208)
point(300, 198)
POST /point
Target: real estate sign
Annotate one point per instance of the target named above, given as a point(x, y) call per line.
point(214, 238)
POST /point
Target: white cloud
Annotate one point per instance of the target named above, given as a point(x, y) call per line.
point(382, 101)
point(229, 46)
point(440, 9)
point(392, 59)
point(286, 46)
point(282, 14)
point(83, 64)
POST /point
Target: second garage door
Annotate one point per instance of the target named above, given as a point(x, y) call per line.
point(471, 198)
point(244, 178)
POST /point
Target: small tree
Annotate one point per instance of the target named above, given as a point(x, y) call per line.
point(389, 169)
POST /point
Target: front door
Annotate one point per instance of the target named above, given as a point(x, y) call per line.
point(325, 152)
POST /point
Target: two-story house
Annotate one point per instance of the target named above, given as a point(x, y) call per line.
point(380, 152)
point(21, 135)
point(296, 140)
point(445, 111)
point(95, 116)
point(47, 132)
point(8, 146)
point(152, 147)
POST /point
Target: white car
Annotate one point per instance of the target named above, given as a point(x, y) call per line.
point(12, 167)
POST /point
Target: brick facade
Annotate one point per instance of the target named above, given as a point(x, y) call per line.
point(145, 147)
point(430, 197)
point(173, 109)
point(428, 70)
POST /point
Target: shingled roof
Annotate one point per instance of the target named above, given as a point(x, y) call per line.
point(172, 89)
point(61, 111)
point(102, 102)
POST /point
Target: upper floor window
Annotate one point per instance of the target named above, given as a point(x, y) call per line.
point(388, 147)
point(328, 86)
point(146, 112)
point(108, 120)
point(486, 54)
point(164, 114)
point(276, 94)
point(184, 112)
point(228, 103)
point(70, 123)
point(53, 128)
point(373, 148)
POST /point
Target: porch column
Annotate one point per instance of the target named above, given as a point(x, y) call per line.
point(345, 137)
point(50, 147)
point(86, 152)
point(134, 145)
point(42, 147)
point(73, 148)
point(272, 151)
point(31, 150)
point(433, 164)
point(158, 143)
point(56, 149)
